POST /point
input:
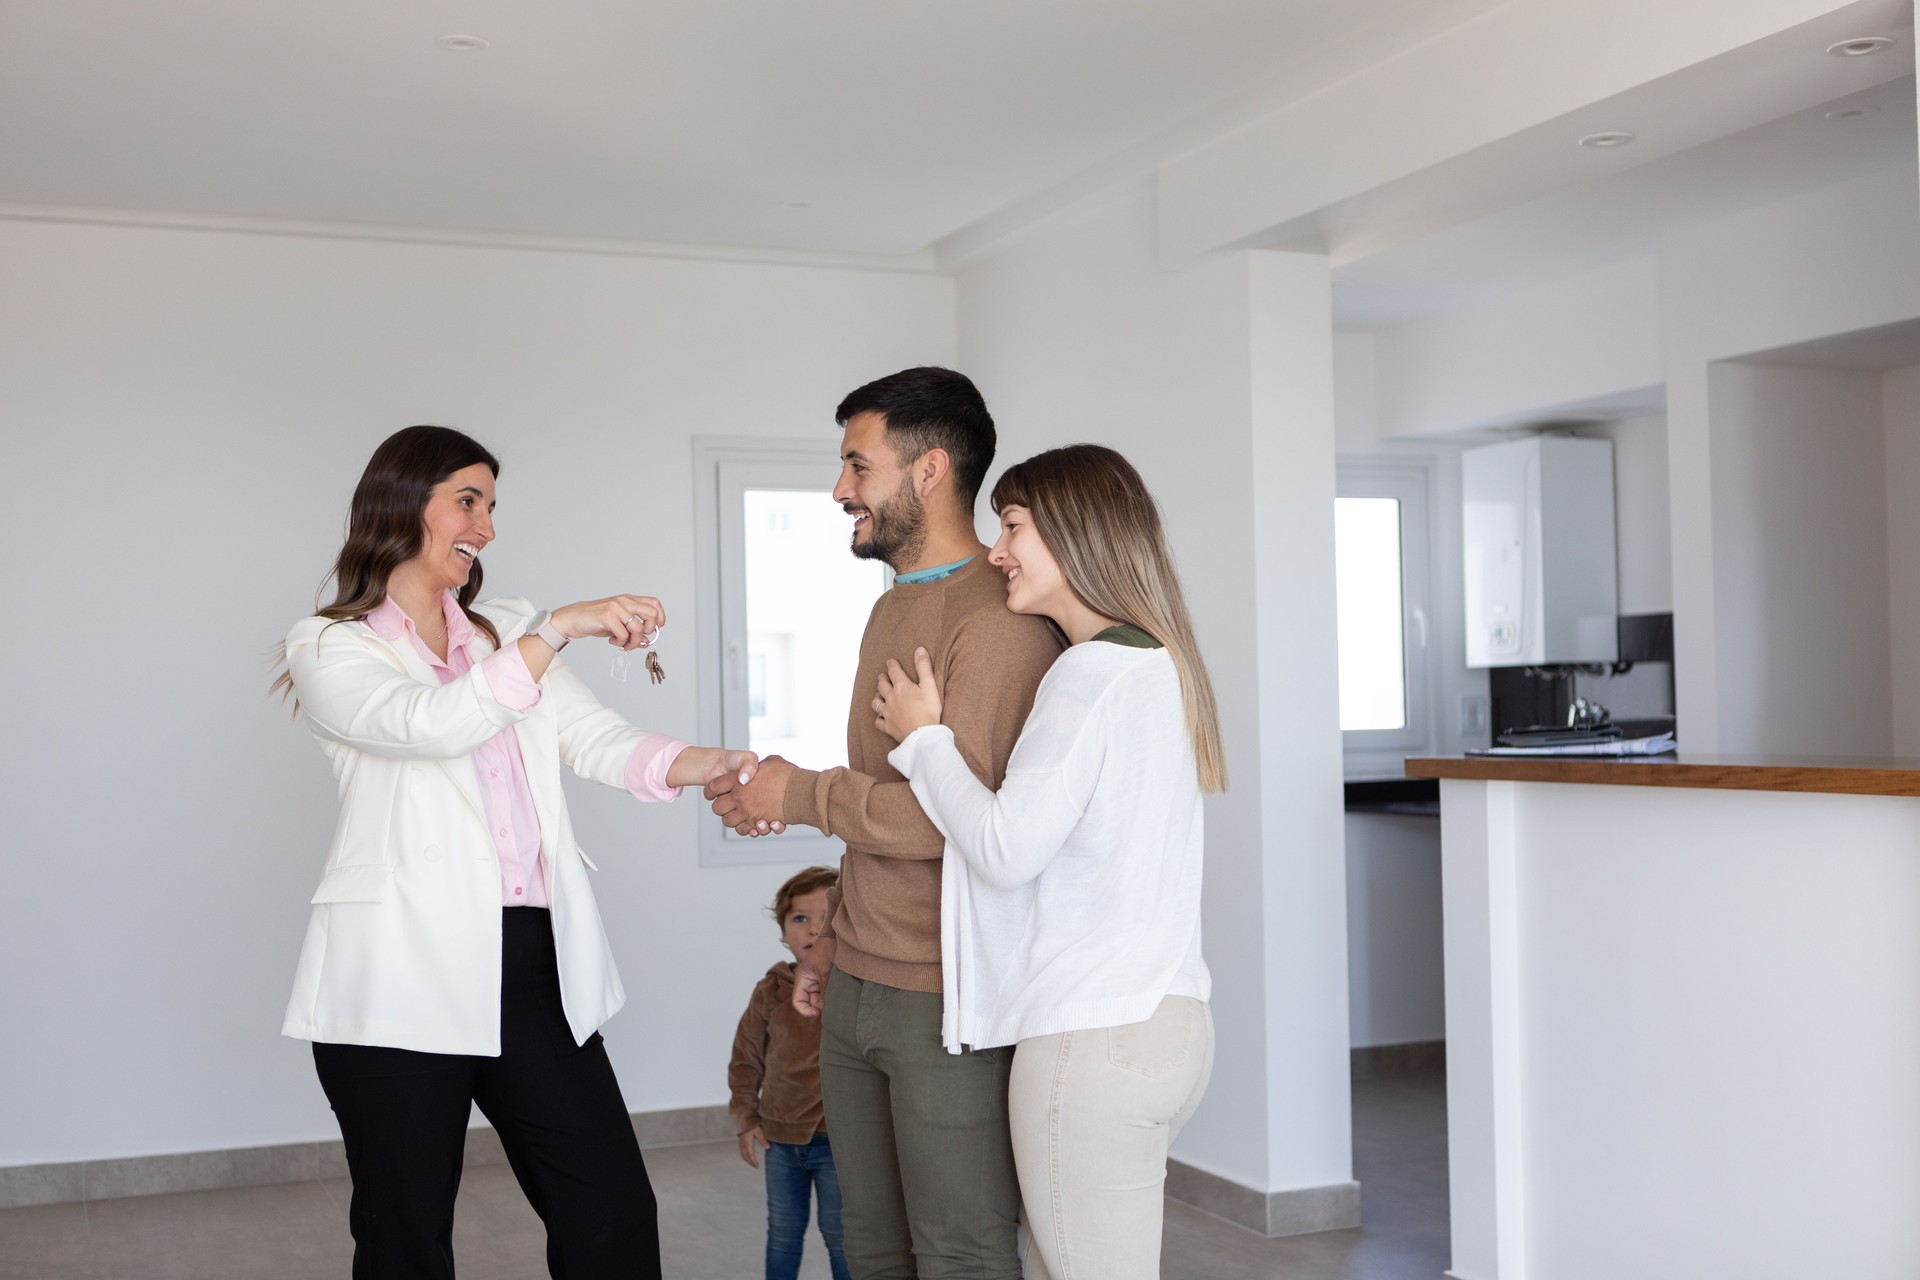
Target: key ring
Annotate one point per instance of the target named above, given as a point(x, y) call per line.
point(621, 657)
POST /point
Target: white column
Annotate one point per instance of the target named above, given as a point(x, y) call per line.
point(1290, 376)
point(1479, 895)
point(1217, 382)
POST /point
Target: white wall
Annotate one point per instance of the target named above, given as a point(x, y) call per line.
point(1521, 356)
point(185, 414)
point(1818, 264)
point(1830, 261)
point(1901, 400)
point(1396, 983)
point(1800, 564)
point(1218, 383)
point(1642, 519)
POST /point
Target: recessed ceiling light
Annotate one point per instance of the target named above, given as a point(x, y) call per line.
point(1860, 47)
point(1609, 138)
point(1852, 113)
point(461, 44)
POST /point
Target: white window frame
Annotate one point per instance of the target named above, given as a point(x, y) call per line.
point(723, 468)
point(1381, 753)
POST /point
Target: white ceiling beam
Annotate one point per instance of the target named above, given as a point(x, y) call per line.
point(1487, 114)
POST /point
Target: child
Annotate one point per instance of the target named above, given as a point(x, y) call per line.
point(775, 1081)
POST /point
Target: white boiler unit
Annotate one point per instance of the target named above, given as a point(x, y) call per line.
point(1540, 552)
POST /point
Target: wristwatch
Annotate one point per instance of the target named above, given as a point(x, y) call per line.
point(542, 625)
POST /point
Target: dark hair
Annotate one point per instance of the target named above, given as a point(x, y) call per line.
point(931, 408)
point(799, 886)
point(386, 523)
point(1093, 512)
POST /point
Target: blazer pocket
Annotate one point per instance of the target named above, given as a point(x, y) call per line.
point(355, 884)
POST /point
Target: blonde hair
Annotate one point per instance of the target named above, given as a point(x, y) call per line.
point(1093, 511)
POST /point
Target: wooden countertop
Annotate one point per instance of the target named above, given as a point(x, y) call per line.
point(1834, 774)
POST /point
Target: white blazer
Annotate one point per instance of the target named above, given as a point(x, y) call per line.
point(403, 946)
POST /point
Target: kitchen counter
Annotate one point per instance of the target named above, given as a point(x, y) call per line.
point(1833, 775)
point(1683, 1015)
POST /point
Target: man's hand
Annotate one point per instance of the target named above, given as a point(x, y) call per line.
point(810, 977)
point(750, 1143)
point(756, 807)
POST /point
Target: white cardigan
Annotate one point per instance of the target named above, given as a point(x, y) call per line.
point(403, 944)
point(1071, 897)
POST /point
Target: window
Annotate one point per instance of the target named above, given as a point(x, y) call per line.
point(1380, 575)
point(782, 608)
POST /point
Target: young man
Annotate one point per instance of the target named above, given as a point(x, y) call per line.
point(920, 1135)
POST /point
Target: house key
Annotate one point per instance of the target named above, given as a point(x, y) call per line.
point(655, 672)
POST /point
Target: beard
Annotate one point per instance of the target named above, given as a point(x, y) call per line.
point(896, 529)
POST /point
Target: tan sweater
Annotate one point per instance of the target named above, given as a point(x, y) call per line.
point(987, 662)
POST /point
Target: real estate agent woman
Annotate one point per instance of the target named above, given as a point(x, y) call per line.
point(454, 954)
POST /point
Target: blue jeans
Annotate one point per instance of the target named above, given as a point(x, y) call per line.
point(791, 1170)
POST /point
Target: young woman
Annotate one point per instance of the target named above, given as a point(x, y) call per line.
point(1071, 897)
point(454, 955)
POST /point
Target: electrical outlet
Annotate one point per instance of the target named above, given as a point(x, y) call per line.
point(1473, 715)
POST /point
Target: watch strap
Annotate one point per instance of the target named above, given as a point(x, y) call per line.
point(544, 628)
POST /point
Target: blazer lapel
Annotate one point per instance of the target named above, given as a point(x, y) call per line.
point(406, 657)
point(465, 778)
point(460, 771)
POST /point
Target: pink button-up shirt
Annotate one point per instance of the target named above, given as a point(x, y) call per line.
point(504, 790)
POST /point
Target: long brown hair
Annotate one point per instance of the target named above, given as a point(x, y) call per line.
point(386, 525)
point(1093, 511)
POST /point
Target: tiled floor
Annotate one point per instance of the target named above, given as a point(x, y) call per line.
point(711, 1213)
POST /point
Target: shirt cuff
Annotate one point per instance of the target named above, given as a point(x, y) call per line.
point(907, 755)
point(505, 674)
point(503, 701)
point(802, 802)
point(648, 765)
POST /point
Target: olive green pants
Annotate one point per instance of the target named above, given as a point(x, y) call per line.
point(927, 1182)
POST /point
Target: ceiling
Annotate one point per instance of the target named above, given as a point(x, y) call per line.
point(1892, 346)
point(876, 127)
point(866, 126)
point(1624, 214)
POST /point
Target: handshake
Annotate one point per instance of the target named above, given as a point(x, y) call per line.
point(749, 794)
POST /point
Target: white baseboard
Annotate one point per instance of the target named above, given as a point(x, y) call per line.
point(31, 1184)
point(1270, 1213)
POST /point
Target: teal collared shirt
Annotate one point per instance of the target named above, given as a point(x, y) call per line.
point(934, 574)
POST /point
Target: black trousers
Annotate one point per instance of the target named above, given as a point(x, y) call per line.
point(555, 1105)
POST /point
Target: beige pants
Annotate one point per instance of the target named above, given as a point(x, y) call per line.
point(1093, 1113)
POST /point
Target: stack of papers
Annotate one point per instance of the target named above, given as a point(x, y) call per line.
point(1659, 744)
